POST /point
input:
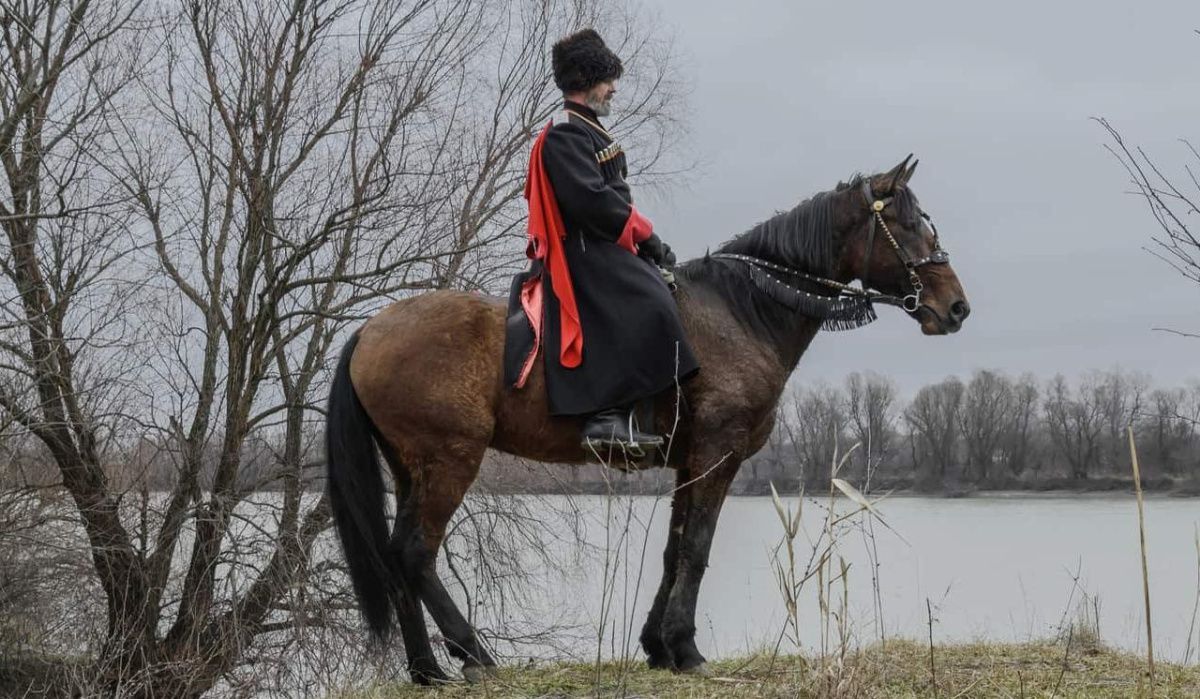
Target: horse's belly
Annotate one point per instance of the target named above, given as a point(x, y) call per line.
point(525, 428)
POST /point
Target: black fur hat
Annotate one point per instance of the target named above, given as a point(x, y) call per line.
point(581, 60)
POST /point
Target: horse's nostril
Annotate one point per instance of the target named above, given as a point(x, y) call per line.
point(960, 310)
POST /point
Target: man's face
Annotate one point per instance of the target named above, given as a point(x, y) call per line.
point(599, 97)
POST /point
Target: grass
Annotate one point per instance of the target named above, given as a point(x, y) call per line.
point(897, 669)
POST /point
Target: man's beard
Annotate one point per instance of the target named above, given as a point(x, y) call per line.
point(599, 105)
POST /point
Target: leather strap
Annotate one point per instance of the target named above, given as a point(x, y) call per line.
point(869, 196)
point(594, 124)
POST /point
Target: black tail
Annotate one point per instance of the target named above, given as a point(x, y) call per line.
point(356, 497)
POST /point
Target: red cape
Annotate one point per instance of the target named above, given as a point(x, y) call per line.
point(546, 233)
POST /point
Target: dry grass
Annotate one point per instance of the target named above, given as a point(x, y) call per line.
point(897, 669)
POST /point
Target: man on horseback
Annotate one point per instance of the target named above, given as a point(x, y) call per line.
point(611, 331)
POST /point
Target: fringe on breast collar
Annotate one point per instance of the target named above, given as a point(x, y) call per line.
point(841, 312)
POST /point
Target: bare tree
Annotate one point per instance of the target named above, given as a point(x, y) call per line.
point(179, 265)
point(64, 299)
point(986, 412)
point(1120, 396)
point(1172, 196)
point(816, 426)
point(1075, 423)
point(933, 429)
point(870, 407)
point(1018, 442)
point(1165, 429)
point(1171, 200)
point(1189, 415)
point(45, 577)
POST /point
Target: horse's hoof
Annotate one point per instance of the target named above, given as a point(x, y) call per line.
point(700, 670)
point(474, 674)
point(428, 676)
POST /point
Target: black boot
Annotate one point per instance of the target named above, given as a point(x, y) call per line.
point(614, 428)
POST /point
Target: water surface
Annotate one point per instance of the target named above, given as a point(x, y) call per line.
point(998, 568)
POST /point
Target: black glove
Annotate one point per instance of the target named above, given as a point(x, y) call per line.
point(655, 250)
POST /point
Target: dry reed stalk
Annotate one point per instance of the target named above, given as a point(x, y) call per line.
point(1137, 484)
point(1187, 651)
point(1062, 671)
point(836, 675)
point(932, 671)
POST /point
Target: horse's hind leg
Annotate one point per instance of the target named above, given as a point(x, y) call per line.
point(423, 667)
point(438, 489)
point(462, 641)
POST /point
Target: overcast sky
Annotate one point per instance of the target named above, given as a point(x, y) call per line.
point(995, 99)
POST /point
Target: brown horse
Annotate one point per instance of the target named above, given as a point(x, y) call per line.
point(423, 382)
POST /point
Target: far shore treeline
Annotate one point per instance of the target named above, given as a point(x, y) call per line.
point(987, 431)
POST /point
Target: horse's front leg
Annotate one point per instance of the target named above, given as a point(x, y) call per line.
point(652, 637)
point(705, 497)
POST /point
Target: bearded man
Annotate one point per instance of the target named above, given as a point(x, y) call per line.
point(610, 332)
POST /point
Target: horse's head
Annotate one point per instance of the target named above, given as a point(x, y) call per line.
point(892, 246)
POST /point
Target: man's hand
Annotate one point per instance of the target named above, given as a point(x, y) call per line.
point(655, 250)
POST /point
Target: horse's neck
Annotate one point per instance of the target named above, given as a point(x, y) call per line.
point(711, 325)
point(798, 341)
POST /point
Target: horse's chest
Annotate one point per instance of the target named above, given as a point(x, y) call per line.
point(732, 420)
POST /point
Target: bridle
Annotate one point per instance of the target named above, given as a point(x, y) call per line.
point(850, 306)
point(910, 302)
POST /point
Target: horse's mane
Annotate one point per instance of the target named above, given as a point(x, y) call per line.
point(802, 238)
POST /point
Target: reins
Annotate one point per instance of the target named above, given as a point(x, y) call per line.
point(850, 307)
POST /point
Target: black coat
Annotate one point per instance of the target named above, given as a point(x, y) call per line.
point(633, 343)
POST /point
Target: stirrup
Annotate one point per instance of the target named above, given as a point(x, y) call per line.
point(633, 443)
point(637, 450)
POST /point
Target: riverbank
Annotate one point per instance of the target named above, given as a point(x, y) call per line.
point(895, 669)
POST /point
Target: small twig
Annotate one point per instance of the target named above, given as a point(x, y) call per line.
point(1176, 332)
point(966, 690)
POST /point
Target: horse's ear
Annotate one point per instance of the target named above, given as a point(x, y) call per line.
point(906, 176)
point(887, 183)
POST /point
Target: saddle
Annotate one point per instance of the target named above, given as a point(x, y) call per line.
point(520, 336)
point(521, 332)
